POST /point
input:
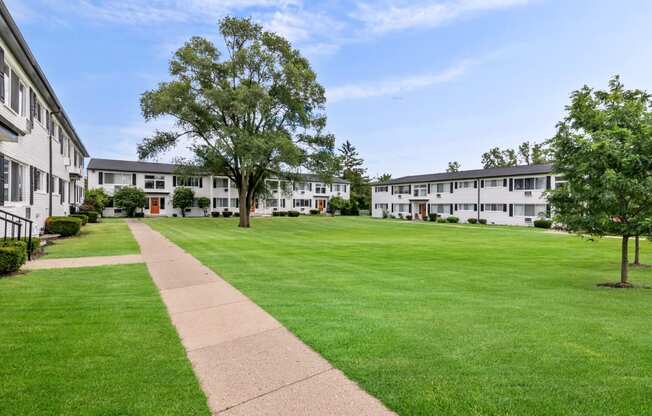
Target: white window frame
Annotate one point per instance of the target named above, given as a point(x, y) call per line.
point(382, 188)
point(9, 182)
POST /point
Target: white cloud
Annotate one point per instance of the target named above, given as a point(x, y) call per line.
point(396, 85)
point(398, 15)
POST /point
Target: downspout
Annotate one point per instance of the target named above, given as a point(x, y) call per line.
point(478, 182)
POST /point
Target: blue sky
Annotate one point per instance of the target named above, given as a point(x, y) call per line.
point(413, 84)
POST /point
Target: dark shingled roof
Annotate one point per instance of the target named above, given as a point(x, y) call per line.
point(473, 174)
point(150, 167)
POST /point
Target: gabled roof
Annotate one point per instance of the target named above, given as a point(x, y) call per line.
point(151, 167)
point(473, 174)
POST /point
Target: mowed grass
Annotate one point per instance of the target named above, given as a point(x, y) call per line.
point(91, 341)
point(111, 237)
point(447, 319)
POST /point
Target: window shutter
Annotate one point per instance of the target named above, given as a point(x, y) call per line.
point(2, 74)
point(14, 92)
point(548, 209)
point(511, 185)
point(428, 206)
point(428, 188)
point(60, 140)
point(451, 208)
point(410, 189)
point(475, 207)
point(331, 187)
point(174, 181)
point(548, 183)
point(162, 203)
point(31, 185)
point(310, 186)
point(133, 179)
point(481, 207)
point(100, 178)
point(475, 184)
point(2, 179)
point(504, 207)
point(455, 207)
point(455, 185)
point(201, 182)
point(62, 191)
point(47, 183)
point(294, 203)
point(392, 191)
point(451, 187)
point(32, 104)
point(410, 208)
point(482, 183)
point(511, 210)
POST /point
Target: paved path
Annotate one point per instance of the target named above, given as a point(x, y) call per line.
point(46, 263)
point(246, 361)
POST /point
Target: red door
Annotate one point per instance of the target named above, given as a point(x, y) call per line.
point(423, 211)
point(154, 206)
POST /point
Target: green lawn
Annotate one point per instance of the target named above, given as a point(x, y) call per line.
point(95, 341)
point(111, 237)
point(447, 319)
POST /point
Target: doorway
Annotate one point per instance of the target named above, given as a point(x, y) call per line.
point(423, 210)
point(320, 204)
point(154, 206)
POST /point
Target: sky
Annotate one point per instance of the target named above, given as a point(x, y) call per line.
point(412, 84)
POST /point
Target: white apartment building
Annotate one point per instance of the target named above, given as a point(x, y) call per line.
point(159, 181)
point(509, 196)
point(41, 155)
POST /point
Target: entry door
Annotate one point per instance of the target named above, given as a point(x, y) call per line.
point(321, 204)
point(423, 211)
point(155, 207)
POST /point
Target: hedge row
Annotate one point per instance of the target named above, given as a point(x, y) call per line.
point(64, 226)
point(13, 254)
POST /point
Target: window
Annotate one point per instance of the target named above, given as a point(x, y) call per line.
point(13, 177)
point(302, 203)
point(465, 184)
point(220, 182)
point(220, 202)
point(420, 190)
point(191, 181)
point(440, 208)
point(400, 207)
point(320, 188)
point(235, 203)
point(302, 186)
point(493, 183)
point(338, 187)
point(154, 182)
point(116, 178)
point(271, 203)
point(14, 96)
point(441, 187)
point(38, 184)
point(494, 207)
point(38, 110)
point(55, 185)
point(384, 207)
point(383, 188)
point(22, 99)
point(529, 184)
point(401, 189)
point(529, 210)
point(466, 207)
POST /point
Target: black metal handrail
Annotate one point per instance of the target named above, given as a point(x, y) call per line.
point(17, 221)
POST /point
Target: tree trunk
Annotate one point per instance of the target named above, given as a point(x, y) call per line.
point(637, 253)
point(242, 203)
point(624, 263)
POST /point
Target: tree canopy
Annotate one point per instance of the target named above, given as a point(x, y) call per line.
point(182, 198)
point(253, 111)
point(453, 167)
point(603, 149)
point(527, 153)
point(129, 198)
point(353, 170)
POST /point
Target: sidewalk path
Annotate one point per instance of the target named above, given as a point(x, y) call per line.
point(46, 263)
point(246, 361)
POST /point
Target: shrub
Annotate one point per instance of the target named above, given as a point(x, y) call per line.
point(293, 213)
point(441, 220)
point(432, 217)
point(204, 203)
point(227, 214)
point(64, 226)
point(236, 214)
point(139, 214)
point(215, 214)
point(183, 198)
point(92, 216)
point(283, 213)
point(276, 213)
point(543, 223)
point(174, 215)
point(13, 254)
point(36, 245)
point(129, 198)
point(472, 220)
point(408, 217)
point(82, 217)
point(315, 212)
point(483, 221)
point(95, 200)
point(452, 219)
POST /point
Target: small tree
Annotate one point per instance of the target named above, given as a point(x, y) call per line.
point(603, 148)
point(337, 203)
point(385, 177)
point(129, 198)
point(453, 167)
point(204, 203)
point(353, 170)
point(182, 199)
point(96, 199)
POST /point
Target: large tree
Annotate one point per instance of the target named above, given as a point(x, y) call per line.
point(353, 170)
point(252, 112)
point(453, 167)
point(527, 153)
point(603, 148)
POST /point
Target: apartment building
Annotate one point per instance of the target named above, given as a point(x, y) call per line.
point(510, 196)
point(41, 155)
point(159, 181)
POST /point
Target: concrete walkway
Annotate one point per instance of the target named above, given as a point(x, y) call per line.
point(46, 263)
point(246, 361)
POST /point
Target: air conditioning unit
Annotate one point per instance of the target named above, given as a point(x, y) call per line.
point(400, 196)
point(528, 193)
point(226, 189)
point(303, 192)
point(528, 219)
point(438, 195)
